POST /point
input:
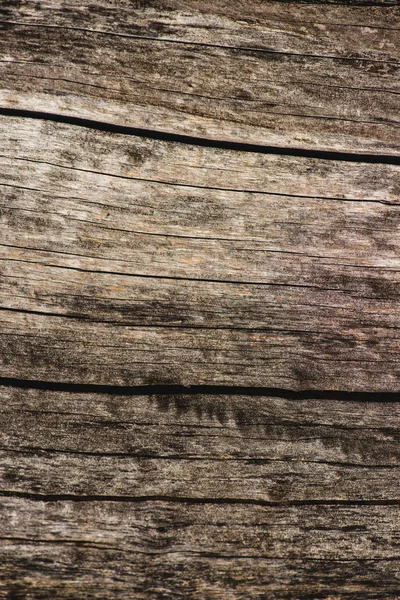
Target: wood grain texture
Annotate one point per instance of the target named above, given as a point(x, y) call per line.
point(197, 496)
point(208, 446)
point(163, 550)
point(267, 276)
point(171, 254)
point(270, 73)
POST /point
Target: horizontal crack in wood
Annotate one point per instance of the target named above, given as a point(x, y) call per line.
point(197, 141)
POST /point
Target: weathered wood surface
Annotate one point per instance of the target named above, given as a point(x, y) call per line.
point(138, 260)
point(198, 496)
point(271, 73)
point(249, 269)
point(220, 447)
point(180, 550)
point(166, 550)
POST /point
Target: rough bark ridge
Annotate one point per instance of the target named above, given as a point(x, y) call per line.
point(199, 391)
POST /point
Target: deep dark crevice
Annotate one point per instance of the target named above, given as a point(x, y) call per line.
point(381, 3)
point(225, 390)
point(197, 141)
point(191, 500)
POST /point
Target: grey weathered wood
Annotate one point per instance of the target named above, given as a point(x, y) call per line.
point(105, 495)
point(127, 261)
point(166, 550)
point(79, 202)
point(220, 447)
point(286, 75)
point(62, 349)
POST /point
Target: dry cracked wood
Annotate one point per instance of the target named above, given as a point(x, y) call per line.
point(126, 258)
point(139, 260)
point(197, 496)
point(289, 75)
point(162, 550)
point(208, 446)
